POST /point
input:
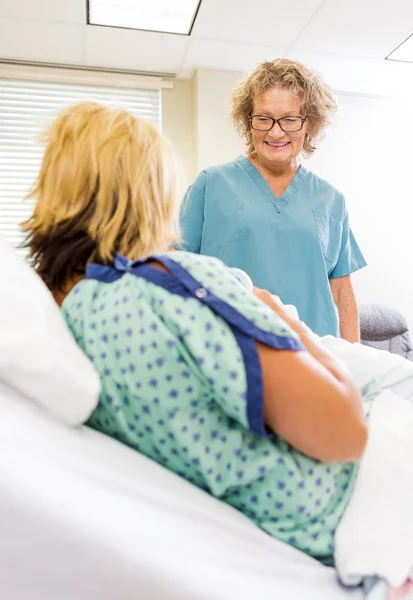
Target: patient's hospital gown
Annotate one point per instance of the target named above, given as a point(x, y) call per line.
point(181, 383)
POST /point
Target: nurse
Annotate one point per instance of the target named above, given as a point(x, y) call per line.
point(266, 214)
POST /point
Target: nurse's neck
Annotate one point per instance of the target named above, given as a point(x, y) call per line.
point(278, 176)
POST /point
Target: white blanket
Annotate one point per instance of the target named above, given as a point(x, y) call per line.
point(373, 370)
point(83, 517)
point(375, 536)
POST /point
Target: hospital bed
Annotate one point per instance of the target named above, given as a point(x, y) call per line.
point(83, 517)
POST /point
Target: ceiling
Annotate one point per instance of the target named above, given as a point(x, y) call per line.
point(346, 39)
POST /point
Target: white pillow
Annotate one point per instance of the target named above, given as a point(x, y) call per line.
point(38, 355)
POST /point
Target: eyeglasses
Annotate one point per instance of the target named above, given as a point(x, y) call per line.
point(287, 124)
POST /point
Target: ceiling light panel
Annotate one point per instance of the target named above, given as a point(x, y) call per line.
point(167, 16)
point(404, 52)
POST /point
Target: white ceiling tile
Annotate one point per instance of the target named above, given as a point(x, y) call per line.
point(228, 35)
point(262, 22)
point(64, 11)
point(364, 28)
point(361, 76)
point(227, 56)
point(134, 50)
point(37, 41)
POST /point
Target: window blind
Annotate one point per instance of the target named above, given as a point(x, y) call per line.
point(26, 109)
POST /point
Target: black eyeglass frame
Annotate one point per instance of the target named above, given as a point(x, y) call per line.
point(274, 121)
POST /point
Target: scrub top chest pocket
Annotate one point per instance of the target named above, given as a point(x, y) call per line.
point(329, 232)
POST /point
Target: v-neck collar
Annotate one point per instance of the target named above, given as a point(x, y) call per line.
point(283, 200)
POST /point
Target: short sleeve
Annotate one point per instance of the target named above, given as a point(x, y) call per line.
point(350, 258)
point(192, 216)
point(226, 353)
point(238, 384)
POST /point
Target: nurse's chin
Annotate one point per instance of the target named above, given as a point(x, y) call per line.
point(277, 155)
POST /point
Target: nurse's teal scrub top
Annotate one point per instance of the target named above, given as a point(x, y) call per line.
point(292, 245)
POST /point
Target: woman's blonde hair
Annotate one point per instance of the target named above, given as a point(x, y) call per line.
point(318, 101)
point(107, 183)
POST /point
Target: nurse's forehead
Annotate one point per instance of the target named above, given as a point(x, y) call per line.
point(277, 100)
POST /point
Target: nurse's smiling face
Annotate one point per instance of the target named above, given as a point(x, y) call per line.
point(277, 149)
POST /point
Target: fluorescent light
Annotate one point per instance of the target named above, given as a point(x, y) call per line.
point(404, 52)
point(169, 16)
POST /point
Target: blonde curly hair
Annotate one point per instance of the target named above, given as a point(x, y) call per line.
point(318, 101)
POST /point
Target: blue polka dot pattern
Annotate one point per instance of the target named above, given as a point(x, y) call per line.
point(174, 387)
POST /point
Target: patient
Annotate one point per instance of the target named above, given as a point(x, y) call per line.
point(215, 382)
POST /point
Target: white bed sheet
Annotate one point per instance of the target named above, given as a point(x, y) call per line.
point(83, 517)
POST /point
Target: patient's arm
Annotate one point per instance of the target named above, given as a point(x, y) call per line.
point(309, 398)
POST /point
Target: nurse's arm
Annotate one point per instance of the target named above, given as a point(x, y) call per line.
point(345, 300)
point(192, 219)
point(310, 398)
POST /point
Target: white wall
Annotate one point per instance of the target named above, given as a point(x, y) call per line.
point(195, 116)
point(369, 160)
point(216, 140)
point(178, 124)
